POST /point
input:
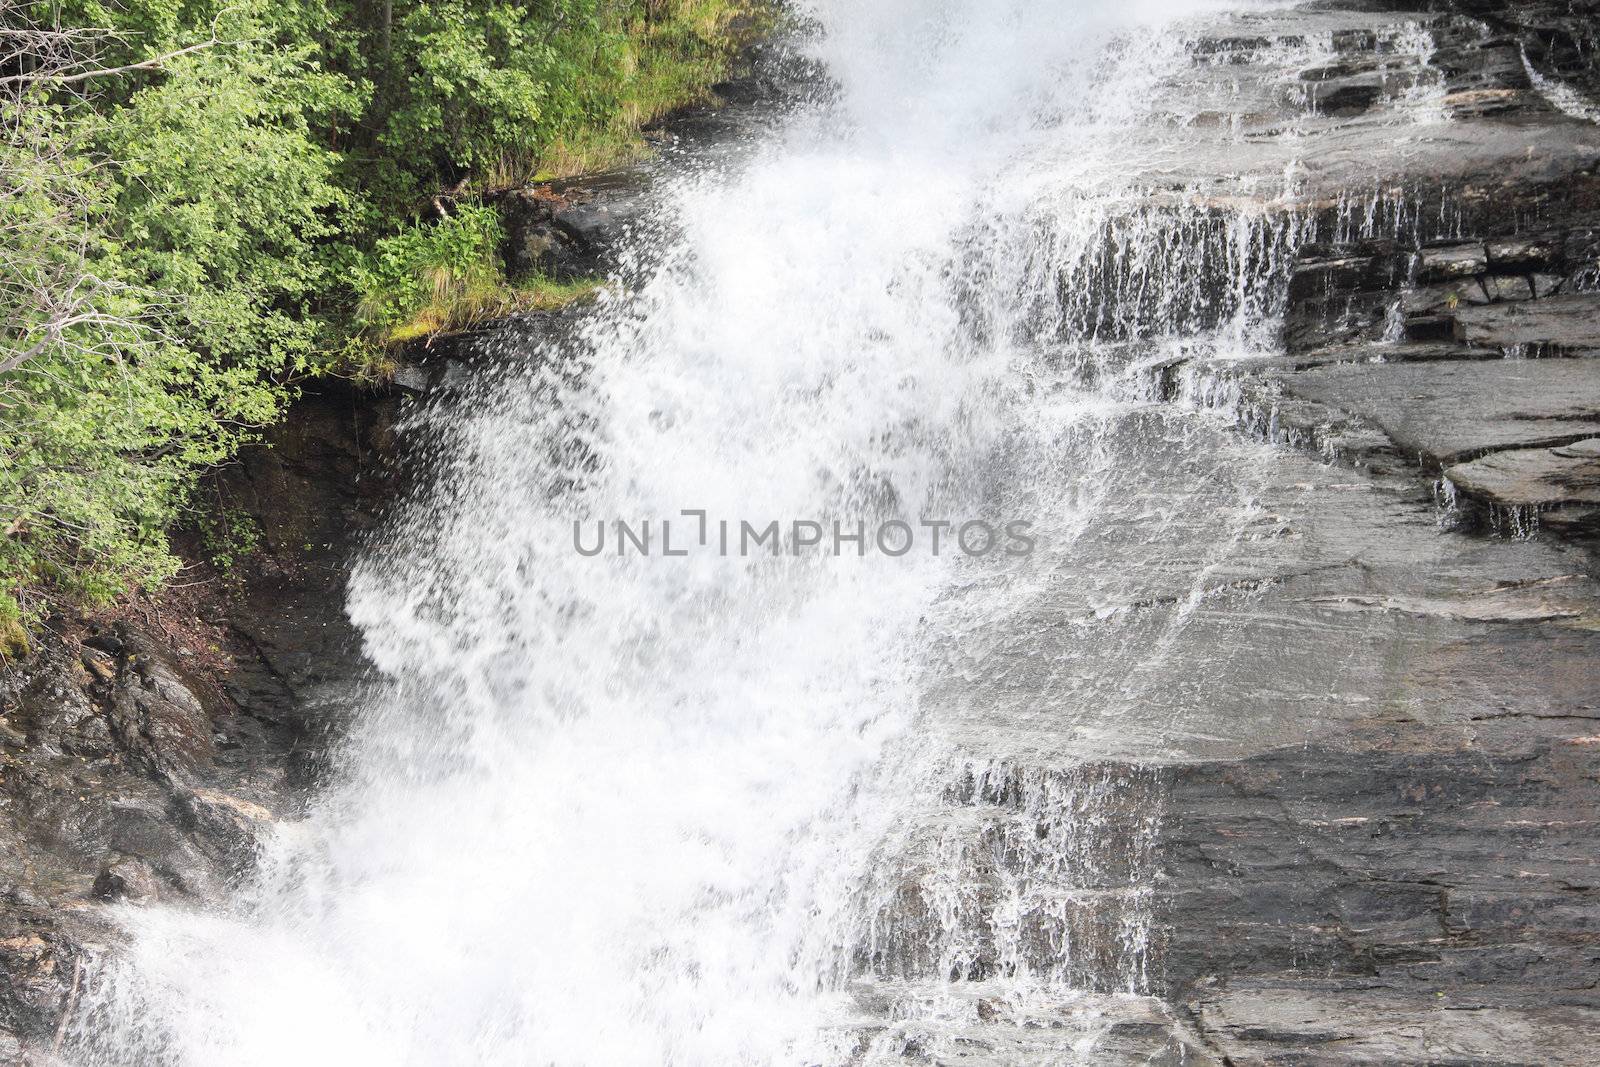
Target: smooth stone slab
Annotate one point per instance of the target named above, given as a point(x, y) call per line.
point(1327, 1028)
point(1453, 261)
point(1533, 477)
point(1443, 413)
point(1525, 253)
point(1569, 321)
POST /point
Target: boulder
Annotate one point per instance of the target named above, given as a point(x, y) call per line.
point(535, 244)
point(154, 713)
point(575, 228)
point(128, 880)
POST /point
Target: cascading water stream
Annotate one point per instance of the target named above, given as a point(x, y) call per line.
point(639, 810)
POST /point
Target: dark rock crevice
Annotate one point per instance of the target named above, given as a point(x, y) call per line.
point(145, 751)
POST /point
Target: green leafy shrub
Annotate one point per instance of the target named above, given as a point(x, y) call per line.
point(226, 200)
point(103, 413)
point(161, 303)
point(468, 82)
point(432, 278)
point(228, 536)
point(499, 92)
point(235, 208)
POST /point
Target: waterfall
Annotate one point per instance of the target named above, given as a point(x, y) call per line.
point(730, 807)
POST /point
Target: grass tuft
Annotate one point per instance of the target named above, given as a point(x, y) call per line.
point(672, 55)
point(477, 300)
point(460, 305)
point(13, 635)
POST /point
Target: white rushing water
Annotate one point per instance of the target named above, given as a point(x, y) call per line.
point(647, 810)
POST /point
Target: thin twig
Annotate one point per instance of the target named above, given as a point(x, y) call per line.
point(68, 79)
point(71, 1005)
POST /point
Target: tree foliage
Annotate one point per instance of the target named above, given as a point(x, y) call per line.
point(203, 202)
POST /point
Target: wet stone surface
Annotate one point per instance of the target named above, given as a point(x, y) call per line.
point(143, 758)
point(1348, 810)
point(1296, 760)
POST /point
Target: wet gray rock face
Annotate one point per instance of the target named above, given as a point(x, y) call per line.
point(1477, 361)
point(112, 750)
point(569, 230)
point(1419, 883)
point(1403, 892)
point(1441, 412)
point(1345, 813)
point(1377, 844)
point(142, 758)
point(1561, 485)
point(1460, 335)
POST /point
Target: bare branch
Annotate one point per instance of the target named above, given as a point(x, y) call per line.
point(104, 72)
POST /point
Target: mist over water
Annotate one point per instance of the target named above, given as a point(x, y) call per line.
point(652, 810)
